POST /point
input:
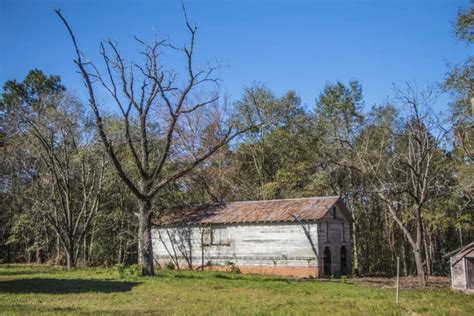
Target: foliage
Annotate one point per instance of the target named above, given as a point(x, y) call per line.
point(128, 271)
point(170, 265)
point(465, 25)
point(459, 83)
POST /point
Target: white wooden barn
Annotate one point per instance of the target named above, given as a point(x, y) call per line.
point(305, 237)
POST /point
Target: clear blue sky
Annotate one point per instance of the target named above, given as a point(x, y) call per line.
point(298, 45)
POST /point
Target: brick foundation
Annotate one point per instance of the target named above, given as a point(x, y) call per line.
point(286, 271)
point(299, 272)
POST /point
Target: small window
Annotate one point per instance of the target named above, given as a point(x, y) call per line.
point(219, 236)
point(327, 231)
point(343, 232)
point(206, 235)
point(334, 212)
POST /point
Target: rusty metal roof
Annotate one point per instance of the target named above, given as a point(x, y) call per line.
point(288, 210)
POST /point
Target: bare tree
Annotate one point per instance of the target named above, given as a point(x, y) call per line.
point(157, 107)
point(400, 165)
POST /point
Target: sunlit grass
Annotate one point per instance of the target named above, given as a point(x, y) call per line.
point(48, 290)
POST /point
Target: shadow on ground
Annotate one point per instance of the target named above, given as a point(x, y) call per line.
point(19, 272)
point(35, 310)
point(64, 286)
point(230, 276)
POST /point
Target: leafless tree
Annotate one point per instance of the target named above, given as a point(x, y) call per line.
point(400, 164)
point(160, 112)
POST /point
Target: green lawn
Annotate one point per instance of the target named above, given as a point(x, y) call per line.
point(47, 290)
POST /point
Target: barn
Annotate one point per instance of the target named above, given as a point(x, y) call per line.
point(462, 268)
point(304, 237)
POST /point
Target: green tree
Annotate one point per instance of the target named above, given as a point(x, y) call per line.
point(460, 83)
point(338, 121)
point(68, 176)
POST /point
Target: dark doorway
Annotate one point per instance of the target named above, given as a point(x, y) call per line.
point(343, 260)
point(327, 261)
point(470, 273)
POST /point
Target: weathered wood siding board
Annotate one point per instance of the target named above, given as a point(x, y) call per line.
point(458, 273)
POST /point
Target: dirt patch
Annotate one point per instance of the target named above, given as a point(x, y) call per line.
point(434, 282)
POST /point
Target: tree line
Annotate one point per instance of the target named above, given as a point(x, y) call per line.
point(81, 182)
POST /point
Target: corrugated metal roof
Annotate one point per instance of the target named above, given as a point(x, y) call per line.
point(287, 210)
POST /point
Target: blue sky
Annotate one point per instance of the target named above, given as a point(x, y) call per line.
point(298, 45)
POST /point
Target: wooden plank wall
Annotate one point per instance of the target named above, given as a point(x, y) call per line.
point(458, 273)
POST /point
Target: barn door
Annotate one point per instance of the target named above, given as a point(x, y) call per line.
point(470, 273)
point(327, 262)
point(343, 261)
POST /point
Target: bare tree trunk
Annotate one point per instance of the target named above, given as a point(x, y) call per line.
point(28, 256)
point(91, 244)
point(417, 250)
point(420, 271)
point(84, 251)
point(119, 255)
point(355, 247)
point(427, 256)
point(145, 247)
point(39, 255)
point(47, 254)
point(58, 250)
point(70, 260)
point(404, 259)
point(415, 244)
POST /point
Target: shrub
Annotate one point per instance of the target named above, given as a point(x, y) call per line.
point(128, 271)
point(233, 267)
point(344, 279)
point(170, 265)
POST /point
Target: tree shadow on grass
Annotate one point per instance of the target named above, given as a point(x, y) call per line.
point(35, 309)
point(64, 286)
point(231, 276)
point(20, 272)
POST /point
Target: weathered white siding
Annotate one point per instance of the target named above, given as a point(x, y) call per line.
point(271, 244)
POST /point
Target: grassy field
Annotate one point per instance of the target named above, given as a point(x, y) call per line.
point(47, 290)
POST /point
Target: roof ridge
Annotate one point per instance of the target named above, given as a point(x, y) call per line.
point(291, 199)
point(260, 201)
point(459, 249)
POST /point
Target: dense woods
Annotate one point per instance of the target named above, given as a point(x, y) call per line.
point(80, 182)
